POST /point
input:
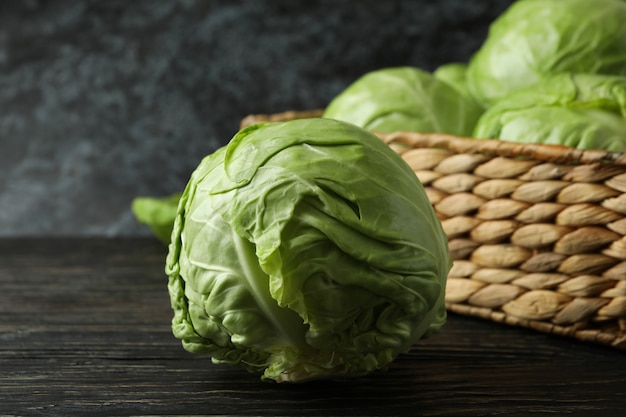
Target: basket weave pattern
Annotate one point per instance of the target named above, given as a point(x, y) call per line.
point(537, 232)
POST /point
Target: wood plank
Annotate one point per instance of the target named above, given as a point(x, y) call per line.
point(85, 330)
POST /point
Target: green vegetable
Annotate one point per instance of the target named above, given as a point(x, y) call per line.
point(158, 213)
point(455, 75)
point(584, 129)
point(584, 111)
point(537, 38)
point(306, 249)
point(404, 99)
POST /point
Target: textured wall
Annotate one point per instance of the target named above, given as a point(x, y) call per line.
point(101, 101)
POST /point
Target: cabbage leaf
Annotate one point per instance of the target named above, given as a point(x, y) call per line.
point(455, 75)
point(533, 39)
point(158, 213)
point(586, 111)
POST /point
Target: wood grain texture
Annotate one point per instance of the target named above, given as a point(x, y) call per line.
point(85, 330)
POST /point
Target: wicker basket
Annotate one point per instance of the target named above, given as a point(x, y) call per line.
point(537, 232)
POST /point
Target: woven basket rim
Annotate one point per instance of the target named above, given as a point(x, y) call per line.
point(543, 152)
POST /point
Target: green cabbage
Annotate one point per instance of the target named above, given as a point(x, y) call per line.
point(158, 213)
point(404, 99)
point(586, 111)
point(455, 75)
point(577, 128)
point(536, 38)
point(306, 249)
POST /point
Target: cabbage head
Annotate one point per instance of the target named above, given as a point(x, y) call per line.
point(586, 111)
point(536, 38)
point(304, 250)
point(404, 99)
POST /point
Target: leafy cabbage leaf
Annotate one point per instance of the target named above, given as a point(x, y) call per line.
point(577, 128)
point(455, 75)
point(537, 38)
point(158, 213)
point(306, 249)
point(404, 99)
point(586, 111)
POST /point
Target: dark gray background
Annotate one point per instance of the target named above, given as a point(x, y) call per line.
point(101, 101)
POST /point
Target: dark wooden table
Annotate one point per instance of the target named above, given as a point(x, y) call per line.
point(85, 330)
